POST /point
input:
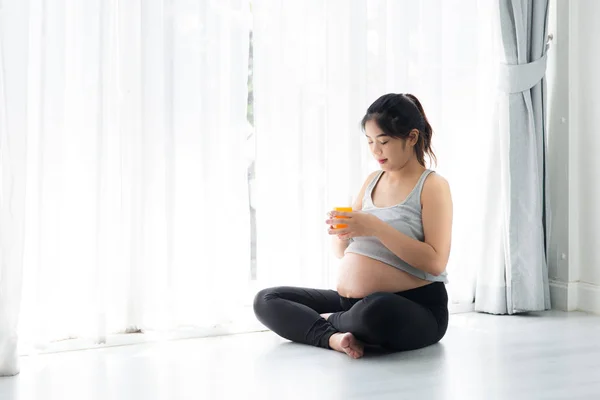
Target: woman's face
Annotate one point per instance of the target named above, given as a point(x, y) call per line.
point(391, 153)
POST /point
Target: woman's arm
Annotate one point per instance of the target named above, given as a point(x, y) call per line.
point(431, 255)
point(338, 245)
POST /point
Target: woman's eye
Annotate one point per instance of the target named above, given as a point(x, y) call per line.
point(379, 142)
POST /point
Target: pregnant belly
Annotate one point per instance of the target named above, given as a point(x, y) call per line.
point(360, 276)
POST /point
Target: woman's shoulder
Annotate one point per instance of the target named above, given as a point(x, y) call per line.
point(369, 179)
point(372, 176)
point(435, 185)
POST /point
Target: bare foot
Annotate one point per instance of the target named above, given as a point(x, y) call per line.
point(346, 343)
point(326, 316)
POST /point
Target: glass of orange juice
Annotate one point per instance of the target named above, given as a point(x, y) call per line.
point(342, 209)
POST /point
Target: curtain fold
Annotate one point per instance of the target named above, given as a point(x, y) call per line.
point(13, 168)
point(513, 276)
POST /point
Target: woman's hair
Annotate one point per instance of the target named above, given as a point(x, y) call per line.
point(398, 114)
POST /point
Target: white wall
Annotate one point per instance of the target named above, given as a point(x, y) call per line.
point(574, 154)
point(558, 153)
point(585, 106)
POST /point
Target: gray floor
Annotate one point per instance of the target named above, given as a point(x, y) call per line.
point(550, 355)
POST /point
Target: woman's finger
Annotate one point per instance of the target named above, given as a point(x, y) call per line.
point(341, 214)
point(337, 221)
point(339, 231)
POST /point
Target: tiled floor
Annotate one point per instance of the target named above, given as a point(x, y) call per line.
point(551, 355)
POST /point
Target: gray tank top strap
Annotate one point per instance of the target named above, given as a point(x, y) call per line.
point(414, 197)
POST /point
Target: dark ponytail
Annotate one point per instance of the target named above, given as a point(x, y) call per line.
point(423, 145)
point(397, 115)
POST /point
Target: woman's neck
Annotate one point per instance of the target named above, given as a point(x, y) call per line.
point(409, 170)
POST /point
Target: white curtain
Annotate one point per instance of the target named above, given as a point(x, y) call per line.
point(135, 113)
point(13, 163)
point(137, 210)
point(318, 65)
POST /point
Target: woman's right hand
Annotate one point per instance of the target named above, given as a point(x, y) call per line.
point(338, 244)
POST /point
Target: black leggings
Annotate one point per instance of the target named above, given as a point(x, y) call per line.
point(406, 320)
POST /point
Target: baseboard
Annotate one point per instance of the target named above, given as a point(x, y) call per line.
point(563, 295)
point(241, 322)
point(573, 296)
point(460, 308)
point(588, 297)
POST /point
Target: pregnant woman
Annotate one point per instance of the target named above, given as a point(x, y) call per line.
point(393, 246)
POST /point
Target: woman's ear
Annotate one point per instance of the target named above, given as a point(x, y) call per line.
point(413, 137)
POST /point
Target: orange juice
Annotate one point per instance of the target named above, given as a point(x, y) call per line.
point(342, 209)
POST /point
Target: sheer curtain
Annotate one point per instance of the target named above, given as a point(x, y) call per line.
point(137, 212)
point(13, 163)
point(318, 65)
point(133, 116)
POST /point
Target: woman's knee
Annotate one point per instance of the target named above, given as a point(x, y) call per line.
point(262, 299)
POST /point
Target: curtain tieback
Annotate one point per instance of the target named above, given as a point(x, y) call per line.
point(516, 78)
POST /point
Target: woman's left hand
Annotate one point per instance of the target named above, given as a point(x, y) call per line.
point(358, 224)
